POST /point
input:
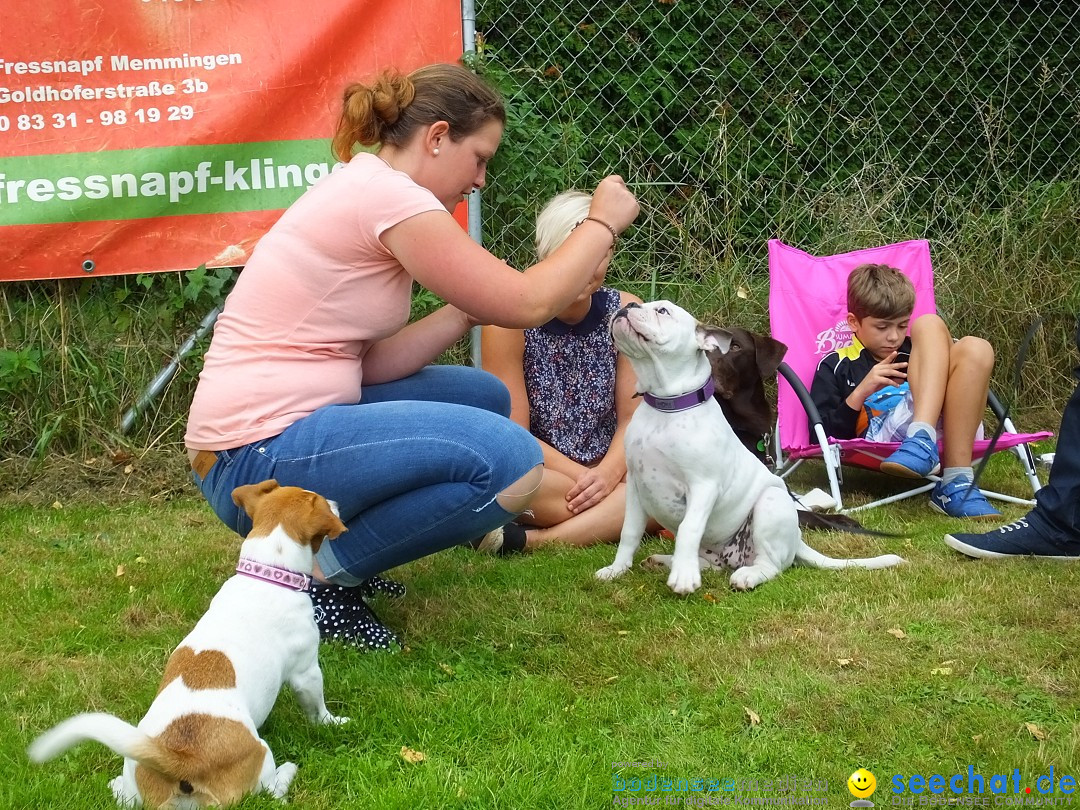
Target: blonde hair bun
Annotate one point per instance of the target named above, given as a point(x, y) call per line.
point(555, 221)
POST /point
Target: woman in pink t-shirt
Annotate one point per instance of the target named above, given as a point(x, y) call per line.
point(315, 377)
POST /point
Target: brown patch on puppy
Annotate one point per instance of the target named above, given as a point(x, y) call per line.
point(213, 760)
point(304, 515)
point(209, 669)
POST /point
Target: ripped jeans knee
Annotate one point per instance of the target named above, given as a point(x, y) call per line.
point(517, 497)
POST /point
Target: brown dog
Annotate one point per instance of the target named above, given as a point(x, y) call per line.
point(739, 374)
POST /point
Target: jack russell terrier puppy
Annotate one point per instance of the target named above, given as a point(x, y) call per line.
point(198, 744)
point(686, 469)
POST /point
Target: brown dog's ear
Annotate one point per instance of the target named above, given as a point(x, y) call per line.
point(329, 532)
point(770, 354)
point(246, 496)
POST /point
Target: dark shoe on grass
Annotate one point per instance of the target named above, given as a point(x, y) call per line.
point(1022, 538)
point(508, 539)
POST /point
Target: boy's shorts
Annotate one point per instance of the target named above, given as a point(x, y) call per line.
point(887, 413)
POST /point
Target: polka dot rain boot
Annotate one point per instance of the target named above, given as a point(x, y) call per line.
point(342, 615)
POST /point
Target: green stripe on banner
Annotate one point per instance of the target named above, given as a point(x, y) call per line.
point(157, 182)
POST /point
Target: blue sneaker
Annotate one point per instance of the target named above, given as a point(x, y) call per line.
point(1020, 538)
point(916, 457)
point(959, 499)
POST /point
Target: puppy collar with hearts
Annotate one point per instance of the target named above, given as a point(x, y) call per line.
point(292, 580)
point(682, 402)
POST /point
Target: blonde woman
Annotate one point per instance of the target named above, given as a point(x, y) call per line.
point(574, 392)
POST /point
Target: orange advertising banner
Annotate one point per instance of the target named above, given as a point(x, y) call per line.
point(146, 135)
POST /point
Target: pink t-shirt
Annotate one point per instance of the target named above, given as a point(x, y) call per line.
point(319, 289)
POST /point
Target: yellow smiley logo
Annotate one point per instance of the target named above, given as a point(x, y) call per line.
point(862, 784)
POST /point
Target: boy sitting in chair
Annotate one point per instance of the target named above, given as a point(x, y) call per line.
point(889, 387)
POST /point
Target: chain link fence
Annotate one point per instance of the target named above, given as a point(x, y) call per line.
point(831, 125)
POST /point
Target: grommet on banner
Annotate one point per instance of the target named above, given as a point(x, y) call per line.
point(88, 265)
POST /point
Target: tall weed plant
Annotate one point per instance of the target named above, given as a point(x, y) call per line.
point(75, 355)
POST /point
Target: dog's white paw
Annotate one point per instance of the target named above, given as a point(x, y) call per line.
point(611, 572)
point(750, 576)
point(283, 777)
point(656, 562)
point(684, 579)
point(121, 795)
point(333, 720)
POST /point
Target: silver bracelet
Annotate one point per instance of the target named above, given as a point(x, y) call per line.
point(614, 233)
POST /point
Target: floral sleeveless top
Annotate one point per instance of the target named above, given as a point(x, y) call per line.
point(570, 380)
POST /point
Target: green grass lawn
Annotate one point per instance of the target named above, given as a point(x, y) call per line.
point(526, 681)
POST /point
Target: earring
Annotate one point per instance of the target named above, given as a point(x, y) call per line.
point(435, 151)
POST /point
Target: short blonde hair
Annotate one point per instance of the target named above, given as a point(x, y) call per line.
point(560, 216)
point(879, 291)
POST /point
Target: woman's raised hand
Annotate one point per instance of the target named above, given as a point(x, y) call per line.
point(614, 204)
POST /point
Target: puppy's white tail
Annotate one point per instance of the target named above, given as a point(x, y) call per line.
point(110, 731)
point(815, 559)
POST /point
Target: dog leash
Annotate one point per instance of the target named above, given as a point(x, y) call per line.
point(1021, 359)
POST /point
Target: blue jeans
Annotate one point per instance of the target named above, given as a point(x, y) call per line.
point(414, 467)
point(1058, 503)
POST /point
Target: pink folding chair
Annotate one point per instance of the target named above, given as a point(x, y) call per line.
point(808, 312)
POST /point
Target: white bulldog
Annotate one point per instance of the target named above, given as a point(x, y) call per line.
point(688, 471)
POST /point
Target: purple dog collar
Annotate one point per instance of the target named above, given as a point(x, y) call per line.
point(683, 402)
point(274, 575)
